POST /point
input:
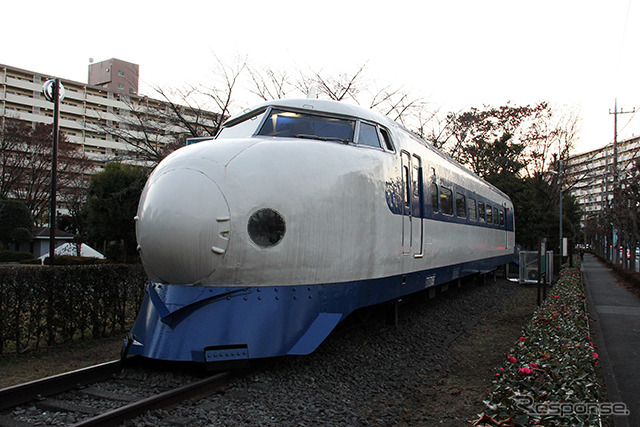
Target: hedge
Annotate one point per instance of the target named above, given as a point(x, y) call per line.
point(50, 305)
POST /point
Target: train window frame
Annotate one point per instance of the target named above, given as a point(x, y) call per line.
point(496, 221)
point(481, 212)
point(461, 205)
point(446, 200)
point(433, 188)
point(471, 202)
point(489, 213)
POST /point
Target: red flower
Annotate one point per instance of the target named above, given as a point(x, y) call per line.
point(595, 355)
point(512, 359)
point(521, 339)
point(525, 371)
point(534, 365)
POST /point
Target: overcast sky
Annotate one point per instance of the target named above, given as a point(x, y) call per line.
point(456, 54)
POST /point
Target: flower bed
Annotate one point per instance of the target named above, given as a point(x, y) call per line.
point(549, 377)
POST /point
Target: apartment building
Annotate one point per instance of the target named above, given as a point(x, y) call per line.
point(590, 175)
point(94, 116)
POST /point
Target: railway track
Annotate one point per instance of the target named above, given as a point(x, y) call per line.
point(107, 394)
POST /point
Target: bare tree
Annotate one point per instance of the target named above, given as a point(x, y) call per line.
point(271, 84)
point(26, 166)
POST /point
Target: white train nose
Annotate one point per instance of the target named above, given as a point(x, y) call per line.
point(182, 227)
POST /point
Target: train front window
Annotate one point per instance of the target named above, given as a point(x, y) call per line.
point(242, 128)
point(291, 124)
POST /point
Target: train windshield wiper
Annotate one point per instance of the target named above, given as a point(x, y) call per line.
point(321, 138)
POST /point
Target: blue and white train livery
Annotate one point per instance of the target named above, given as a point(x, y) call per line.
point(259, 242)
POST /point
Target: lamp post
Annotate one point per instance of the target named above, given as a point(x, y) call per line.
point(53, 91)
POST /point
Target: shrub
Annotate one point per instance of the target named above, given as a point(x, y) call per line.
point(14, 256)
point(49, 305)
point(553, 364)
point(75, 260)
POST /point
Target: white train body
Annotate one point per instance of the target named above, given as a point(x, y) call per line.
point(294, 196)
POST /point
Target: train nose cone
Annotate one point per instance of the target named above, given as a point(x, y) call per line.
point(182, 227)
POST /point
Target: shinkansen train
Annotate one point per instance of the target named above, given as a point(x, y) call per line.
point(259, 242)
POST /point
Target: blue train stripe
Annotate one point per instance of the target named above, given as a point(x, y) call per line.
point(201, 324)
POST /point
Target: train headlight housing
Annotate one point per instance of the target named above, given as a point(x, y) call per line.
point(266, 228)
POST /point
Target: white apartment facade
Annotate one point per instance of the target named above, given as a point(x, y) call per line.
point(87, 111)
point(590, 175)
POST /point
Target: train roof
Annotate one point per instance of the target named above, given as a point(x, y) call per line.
point(323, 106)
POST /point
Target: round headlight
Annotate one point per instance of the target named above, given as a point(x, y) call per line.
point(266, 228)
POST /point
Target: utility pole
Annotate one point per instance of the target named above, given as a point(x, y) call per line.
point(615, 171)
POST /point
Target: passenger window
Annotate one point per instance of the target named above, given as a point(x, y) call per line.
point(416, 176)
point(434, 197)
point(387, 139)
point(446, 201)
point(481, 211)
point(461, 208)
point(368, 135)
point(407, 190)
point(495, 216)
point(501, 219)
point(489, 215)
point(472, 209)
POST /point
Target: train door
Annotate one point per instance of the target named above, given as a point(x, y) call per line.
point(407, 199)
point(412, 221)
point(417, 206)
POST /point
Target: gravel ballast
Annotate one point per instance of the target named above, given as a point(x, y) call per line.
point(377, 375)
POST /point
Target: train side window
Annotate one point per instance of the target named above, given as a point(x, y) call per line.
point(368, 135)
point(434, 197)
point(489, 214)
point(501, 219)
point(407, 190)
point(461, 207)
point(446, 201)
point(471, 205)
point(387, 139)
point(495, 216)
point(481, 211)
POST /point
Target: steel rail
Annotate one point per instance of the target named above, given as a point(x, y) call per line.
point(26, 392)
point(197, 388)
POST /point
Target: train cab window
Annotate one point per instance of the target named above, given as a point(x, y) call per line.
point(387, 139)
point(501, 219)
point(471, 205)
point(480, 211)
point(461, 207)
point(434, 197)
point(489, 214)
point(368, 135)
point(495, 216)
point(291, 124)
point(446, 201)
point(243, 127)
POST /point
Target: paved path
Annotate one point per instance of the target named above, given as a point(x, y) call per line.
point(616, 312)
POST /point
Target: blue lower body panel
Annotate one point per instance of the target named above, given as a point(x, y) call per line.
point(216, 324)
